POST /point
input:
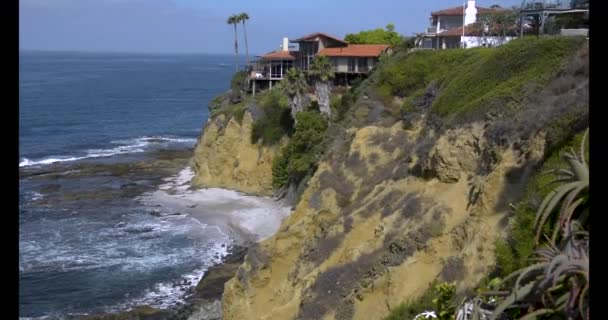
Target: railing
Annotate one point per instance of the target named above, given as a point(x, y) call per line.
point(263, 71)
point(431, 30)
point(539, 5)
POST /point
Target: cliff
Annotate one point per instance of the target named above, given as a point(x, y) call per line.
point(415, 185)
point(224, 157)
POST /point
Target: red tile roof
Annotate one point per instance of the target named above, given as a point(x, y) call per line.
point(355, 50)
point(319, 34)
point(458, 11)
point(280, 55)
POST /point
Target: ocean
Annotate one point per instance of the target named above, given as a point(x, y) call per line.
point(107, 220)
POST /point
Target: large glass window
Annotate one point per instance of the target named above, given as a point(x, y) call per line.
point(362, 64)
point(352, 64)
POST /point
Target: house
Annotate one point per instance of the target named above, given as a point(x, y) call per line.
point(349, 61)
point(454, 28)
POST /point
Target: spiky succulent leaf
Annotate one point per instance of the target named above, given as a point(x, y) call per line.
point(533, 315)
point(516, 296)
point(550, 203)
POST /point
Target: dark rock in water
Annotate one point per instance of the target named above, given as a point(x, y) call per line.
point(139, 313)
point(128, 185)
point(155, 213)
point(50, 188)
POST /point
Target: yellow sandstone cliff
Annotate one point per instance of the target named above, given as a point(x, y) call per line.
point(224, 157)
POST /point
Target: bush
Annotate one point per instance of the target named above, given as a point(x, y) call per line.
point(340, 104)
point(275, 121)
point(237, 84)
point(299, 155)
point(439, 297)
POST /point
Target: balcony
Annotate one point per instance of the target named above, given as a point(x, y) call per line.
point(268, 70)
point(431, 30)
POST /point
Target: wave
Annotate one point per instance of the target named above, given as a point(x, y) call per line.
point(134, 145)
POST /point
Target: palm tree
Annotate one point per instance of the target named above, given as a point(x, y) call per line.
point(243, 16)
point(321, 71)
point(233, 20)
point(295, 86)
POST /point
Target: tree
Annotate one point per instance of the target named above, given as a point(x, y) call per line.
point(376, 36)
point(233, 20)
point(321, 72)
point(243, 17)
point(497, 23)
point(295, 87)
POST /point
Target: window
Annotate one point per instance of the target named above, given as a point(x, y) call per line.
point(362, 64)
point(352, 64)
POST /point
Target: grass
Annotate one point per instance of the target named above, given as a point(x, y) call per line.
point(475, 80)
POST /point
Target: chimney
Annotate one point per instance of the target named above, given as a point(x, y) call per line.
point(470, 13)
point(285, 44)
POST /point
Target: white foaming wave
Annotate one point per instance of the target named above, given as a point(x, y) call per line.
point(154, 139)
point(167, 294)
point(134, 145)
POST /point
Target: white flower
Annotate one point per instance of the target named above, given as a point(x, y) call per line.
point(426, 315)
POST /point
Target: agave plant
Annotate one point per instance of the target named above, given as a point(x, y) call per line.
point(575, 180)
point(558, 280)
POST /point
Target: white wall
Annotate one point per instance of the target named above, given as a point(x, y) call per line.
point(472, 42)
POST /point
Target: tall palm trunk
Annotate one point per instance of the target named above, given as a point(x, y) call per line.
point(246, 45)
point(236, 48)
point(322, 91)
point(296, 106)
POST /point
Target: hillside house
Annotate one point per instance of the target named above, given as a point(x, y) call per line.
point(452, 28)
point(349, 61)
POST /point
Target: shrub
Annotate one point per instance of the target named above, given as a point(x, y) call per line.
point(275, 121)
point(237, 84)
point(515, 252)
point(299, 155)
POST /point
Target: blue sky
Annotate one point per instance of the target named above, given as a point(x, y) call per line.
point(199, 26)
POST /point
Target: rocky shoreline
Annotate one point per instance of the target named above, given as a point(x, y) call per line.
point(203, 302)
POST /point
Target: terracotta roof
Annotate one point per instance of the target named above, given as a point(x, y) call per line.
point(355, 50)
point(458, 11)
point(280, 55)
point(319, 34)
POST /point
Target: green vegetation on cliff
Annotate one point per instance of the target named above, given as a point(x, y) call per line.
point(473, 81)
point(274, 121)
point(299, 156)
point(515, 251)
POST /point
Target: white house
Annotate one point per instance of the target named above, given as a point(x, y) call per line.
point(453, 28)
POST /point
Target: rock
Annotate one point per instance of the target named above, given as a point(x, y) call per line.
point(226, 158)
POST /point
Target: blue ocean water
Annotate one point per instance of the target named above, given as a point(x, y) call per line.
point(86, 246)
point(78, 104)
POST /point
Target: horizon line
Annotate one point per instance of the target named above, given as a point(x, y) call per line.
point(128, 52)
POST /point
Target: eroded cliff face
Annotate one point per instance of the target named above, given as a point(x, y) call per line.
point(390, 209)
point(370, 233)
point(224, 157)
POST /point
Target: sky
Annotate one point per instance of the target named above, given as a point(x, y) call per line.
point(199, 26)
